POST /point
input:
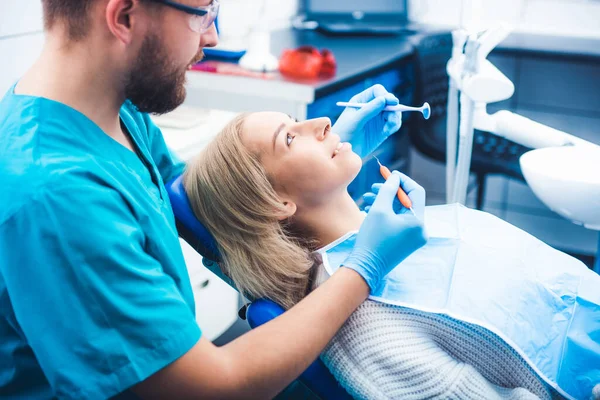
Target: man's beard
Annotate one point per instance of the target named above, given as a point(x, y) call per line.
point(154, 84)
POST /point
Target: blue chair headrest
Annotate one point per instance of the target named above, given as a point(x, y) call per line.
point(190, 229)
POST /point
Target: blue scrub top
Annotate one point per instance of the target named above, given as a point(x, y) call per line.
point(94, 292)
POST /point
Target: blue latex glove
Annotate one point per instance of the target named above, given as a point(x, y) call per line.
point(368, 127)
point(415, 192)
point(385, 238)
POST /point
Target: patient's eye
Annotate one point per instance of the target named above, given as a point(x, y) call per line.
point(289, 139)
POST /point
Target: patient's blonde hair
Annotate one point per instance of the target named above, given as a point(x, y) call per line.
point(230, 193)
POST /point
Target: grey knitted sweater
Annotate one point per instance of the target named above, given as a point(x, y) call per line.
point(391, 352)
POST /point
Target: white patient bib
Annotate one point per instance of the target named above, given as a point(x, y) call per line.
point(480, 269)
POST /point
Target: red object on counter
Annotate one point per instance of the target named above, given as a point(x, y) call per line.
point(329, 64)
point(307, 62)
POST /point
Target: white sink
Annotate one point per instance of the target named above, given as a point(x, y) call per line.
point(567, 180)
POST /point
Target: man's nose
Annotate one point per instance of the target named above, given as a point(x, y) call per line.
point(210, 38)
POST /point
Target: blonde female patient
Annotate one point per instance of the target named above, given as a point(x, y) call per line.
point(278, 192)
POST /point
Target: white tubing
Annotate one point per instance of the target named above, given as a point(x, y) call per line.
point(465, 148)
point(528, 132)
point(459, 37)
point(451, 137)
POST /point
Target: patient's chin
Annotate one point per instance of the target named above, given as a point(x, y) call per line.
point(353, 165)
point(356, 161)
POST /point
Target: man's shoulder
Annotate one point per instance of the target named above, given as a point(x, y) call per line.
point(20, 173)
point(30, 171)
point(30, 185)
point(41, 154)
point(38, 146)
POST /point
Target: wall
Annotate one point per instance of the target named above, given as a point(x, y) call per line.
point(21, 38)
point(562, 17)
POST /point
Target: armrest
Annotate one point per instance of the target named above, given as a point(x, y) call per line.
point(316, 377)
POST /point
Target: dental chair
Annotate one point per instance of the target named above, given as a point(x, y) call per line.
point(316, 377)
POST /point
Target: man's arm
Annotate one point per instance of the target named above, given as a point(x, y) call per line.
point(264, 361)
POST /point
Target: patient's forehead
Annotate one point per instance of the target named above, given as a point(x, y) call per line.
point(258, 128)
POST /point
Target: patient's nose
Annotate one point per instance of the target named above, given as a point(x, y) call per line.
point(320, 127)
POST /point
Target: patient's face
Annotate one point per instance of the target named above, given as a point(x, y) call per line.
point(304, 160)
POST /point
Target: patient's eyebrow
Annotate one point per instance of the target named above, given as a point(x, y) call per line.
point(277, 132)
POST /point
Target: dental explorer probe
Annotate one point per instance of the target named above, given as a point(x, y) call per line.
point(402, 196)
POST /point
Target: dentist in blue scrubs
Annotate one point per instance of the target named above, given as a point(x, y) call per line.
point(95, 299)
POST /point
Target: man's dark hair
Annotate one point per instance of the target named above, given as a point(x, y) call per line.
point(73, 13)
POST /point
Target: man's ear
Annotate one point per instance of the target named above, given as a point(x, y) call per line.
point(290, 208)
point(120, 17)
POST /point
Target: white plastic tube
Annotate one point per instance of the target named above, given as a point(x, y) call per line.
point(451, 137)
point(454, 70)
point(464, 150)
point(528, 132)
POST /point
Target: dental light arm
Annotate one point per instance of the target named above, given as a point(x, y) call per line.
point(492, 38)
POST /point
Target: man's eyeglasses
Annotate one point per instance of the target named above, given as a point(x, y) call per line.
point(201, 17)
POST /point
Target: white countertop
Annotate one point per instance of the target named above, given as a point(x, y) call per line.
point(187, 129)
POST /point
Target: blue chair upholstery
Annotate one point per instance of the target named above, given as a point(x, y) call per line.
point(316, 377)
point(184, 217)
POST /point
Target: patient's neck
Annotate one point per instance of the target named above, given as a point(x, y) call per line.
point(327, 221)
